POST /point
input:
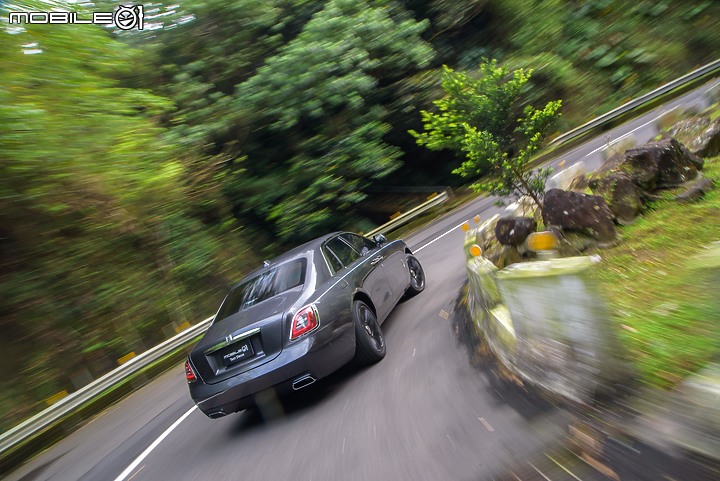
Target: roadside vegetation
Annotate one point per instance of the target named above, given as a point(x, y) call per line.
point(142, 172)
point(666, 310)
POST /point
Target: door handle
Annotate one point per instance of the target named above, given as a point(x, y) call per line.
point(376, 260)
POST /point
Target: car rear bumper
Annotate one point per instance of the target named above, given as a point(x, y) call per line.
point(317, 355)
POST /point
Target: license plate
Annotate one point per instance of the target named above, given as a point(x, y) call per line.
point(237, 352)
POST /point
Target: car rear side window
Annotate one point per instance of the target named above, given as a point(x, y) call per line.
point(270, 283)
point(346, 254)
point(333, 262)
point(361, 244)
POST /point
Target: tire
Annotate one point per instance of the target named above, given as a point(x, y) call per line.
point(417, 277)
point(369, 340)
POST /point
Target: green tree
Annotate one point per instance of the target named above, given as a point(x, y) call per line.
point(316, 119)
point(484, 119)
point(99, 246)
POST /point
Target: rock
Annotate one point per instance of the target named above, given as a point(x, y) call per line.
point(565, 178)
point(492, 251)
point(696, 189)
point(695, 402)
point(661, 164)
point(524, 206)
point(579, 240)
point(506, 256)
point(486, 232)
point(513, 231)
point(655, 165)
point(571, 210)
point(580, 184)
point(565, 248)
point(699, 134)
point(623, 196)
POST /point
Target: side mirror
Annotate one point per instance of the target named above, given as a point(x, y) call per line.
point(379, 239)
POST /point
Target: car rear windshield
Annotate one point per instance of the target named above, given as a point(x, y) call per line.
point(269, 283)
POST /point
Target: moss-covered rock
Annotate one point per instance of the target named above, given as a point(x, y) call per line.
point(700, 134)
point(623, 196)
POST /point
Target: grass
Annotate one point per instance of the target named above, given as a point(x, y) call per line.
point(667, 312)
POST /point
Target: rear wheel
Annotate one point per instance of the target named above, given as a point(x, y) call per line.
point(369, 340)
point(417, 277)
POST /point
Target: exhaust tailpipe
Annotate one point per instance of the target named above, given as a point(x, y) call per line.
point(302, 382)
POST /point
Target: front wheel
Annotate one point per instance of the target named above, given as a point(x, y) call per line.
point(417, 277)
point(369, 340)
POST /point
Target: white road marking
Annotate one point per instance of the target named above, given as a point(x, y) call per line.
point(486, 424)
point(155, 444)
point(414, 352)
point(343, 448)
point(539, 472)
point(438, 237)
point(633, 130)
point(562, 467)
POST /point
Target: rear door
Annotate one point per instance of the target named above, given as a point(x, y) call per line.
point(365, 272)
point(392, 261)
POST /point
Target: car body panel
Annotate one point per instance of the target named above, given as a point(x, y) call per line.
point(256, 343)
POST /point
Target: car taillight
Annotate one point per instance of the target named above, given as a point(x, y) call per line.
point(304, 321)
point(189, 373)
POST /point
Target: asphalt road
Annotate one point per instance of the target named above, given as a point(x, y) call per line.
point(426, 412)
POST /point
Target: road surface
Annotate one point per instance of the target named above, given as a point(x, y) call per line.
point(426, 412)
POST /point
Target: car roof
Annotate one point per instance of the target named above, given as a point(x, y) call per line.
point(313, 245)
point(302, 250)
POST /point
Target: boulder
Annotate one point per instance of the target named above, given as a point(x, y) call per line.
point(565, 247)
point(524, 206)
point(655, 165)
point(506, 256)
point(696, 189)
point(580, 184)
point(486, 232)
point(513, 231)
point(572, 243)
point(492, 250)
point(699, 134)
point(575, 211)
point(661, 164)
point(622, 195)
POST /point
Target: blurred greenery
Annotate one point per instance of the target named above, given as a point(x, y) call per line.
point(141, 172)
point(652, 267)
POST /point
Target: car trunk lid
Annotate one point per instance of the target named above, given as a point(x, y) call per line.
point(243, 341)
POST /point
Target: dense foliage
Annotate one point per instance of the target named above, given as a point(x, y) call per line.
point(141, 172)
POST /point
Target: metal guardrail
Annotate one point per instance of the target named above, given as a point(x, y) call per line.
point(57, 411)
point(404, 218)
point(635, 103)
point(73, 401)
point(54, 413)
